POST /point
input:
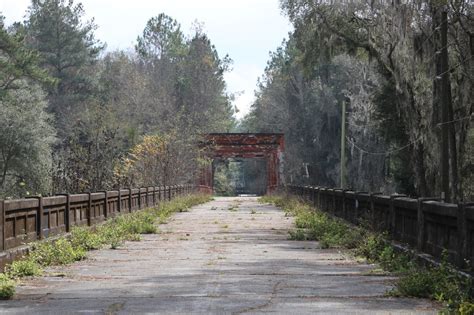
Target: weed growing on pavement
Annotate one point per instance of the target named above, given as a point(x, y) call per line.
point(58, 252)
point(7, 287)
point(23, 268)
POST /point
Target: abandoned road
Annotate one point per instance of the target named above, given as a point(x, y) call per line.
point(230, 255)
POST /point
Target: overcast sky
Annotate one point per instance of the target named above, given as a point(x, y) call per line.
point(245, 29)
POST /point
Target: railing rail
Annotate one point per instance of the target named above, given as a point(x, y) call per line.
point(425, 224)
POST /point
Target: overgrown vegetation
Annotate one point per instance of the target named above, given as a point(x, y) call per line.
point(7, 286)
point(384, 59)
point(91, 119)
point(442, 283)
point(112, 233)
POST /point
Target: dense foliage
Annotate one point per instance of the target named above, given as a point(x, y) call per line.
point(384, 59)
point(408, 91)
point(77, 118)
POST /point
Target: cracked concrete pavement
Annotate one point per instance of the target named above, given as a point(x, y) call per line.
point(229, 256)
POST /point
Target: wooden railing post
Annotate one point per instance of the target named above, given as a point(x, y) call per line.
point(392, 215)
point(39, 218)
point(462, 247)
point(2, 226)
point(67, 220)
point(373, 217)
point(89, 210)
point(372, 211)
point(147, 203)
point(106, 203)
point(420, 220)
point(344, 208)
point(130, 200)
point(357, 204)
point(119, 205)
point(139, 198)
point(154, 199)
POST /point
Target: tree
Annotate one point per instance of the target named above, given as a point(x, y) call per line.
point(162, 39)
point(125, 87)
point(401, 39)
point(17, 62)
point(185, 79)
point(26, 135)
point(161, 49)
point(95, 144)
point(203, 100)
point(26, 138)
point(157, 160)
point(68, 49)
point(306, 107)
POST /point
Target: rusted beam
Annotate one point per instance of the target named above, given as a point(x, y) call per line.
point(268, 146)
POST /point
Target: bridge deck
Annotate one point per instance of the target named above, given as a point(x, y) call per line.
point(214, 259)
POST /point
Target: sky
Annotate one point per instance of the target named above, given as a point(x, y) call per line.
point(247, 30)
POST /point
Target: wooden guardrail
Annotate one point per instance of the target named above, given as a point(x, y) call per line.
point(26, 220)
point(425, 224)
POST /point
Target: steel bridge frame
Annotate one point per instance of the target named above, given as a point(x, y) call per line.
point(268, 146)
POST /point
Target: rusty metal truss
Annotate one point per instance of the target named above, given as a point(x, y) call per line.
point(268, 146)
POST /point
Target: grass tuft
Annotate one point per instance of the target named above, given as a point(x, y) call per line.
point(59, 252)
point(7, 287)
point(24, 268)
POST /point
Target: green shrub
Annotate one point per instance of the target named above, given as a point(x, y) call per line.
point(371, 247)
point(297, 235)
point(135, 237)
point(416, 283)
point(306, 220)
point(24, 268)
point(7, 287)
point(86, 238)
point(59, 252)
point(113, 234)
point(138, 223)
point(466, 308)
point(316, 225)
